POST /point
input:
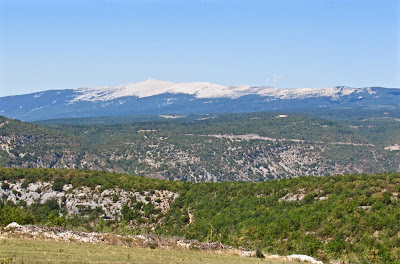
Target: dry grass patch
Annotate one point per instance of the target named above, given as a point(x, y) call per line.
point(41, 251)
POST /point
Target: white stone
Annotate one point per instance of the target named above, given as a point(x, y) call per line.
point(303, 258)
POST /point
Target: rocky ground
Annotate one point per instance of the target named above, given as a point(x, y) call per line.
point(144, 240)
point(110, 201)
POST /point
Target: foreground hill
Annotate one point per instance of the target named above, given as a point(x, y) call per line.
point(161, 97)
point(243, 147)
point(352, 217)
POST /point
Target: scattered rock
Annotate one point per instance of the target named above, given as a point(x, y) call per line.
point(393, 148)
point(336, 262)
point(303, 258)
point(248, 253)
point(291, 197)
point(143, 240)
point(366, 208)
point(13, 226)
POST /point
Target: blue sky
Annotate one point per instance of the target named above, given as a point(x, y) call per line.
point(284, 43)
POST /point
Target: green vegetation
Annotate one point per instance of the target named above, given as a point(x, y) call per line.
point(38, 251)
point(79, 178)
point(10, 214)
point(189, 149)
point(354, 217)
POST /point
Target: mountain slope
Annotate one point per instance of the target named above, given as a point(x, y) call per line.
point(242, 147)
point(161, 97)
point(351, 217)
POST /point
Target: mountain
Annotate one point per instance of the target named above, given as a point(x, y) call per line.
point(165, 98)
point(235, 147)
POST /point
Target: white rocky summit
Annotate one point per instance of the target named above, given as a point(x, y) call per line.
point(206, 90)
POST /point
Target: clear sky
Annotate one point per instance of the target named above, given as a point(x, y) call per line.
point(284, 43)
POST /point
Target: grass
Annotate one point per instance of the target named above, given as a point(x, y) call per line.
point(41, 251)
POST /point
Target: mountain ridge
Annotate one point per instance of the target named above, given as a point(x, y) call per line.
point(200, 89)
point(205, 90)
point(155, 97)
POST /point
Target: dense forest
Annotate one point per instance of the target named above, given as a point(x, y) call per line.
point(241, 147)
point(354, 218)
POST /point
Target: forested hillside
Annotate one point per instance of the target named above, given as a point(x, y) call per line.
point(355, 218)
point(243, 147)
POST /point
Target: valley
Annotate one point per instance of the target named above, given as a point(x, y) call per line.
point(241, 147)
point(236, 179)
point(322, 184)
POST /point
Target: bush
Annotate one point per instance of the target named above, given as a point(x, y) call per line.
point(10, 214)
point(259, 254)
point(5, 186)
point(153, 245)
point(58, 184)
point(6, 261)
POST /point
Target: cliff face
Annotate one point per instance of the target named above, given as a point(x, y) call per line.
point(107, 203)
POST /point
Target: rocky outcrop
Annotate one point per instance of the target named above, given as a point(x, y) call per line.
point(109, 201)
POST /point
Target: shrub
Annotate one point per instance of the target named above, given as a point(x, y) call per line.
point(5, 186)
point(259, 254)
point(10, 214)
point(6, 261)
point(153, 245)
point(58, 184)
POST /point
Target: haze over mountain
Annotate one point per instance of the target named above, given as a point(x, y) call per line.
point(163, 97)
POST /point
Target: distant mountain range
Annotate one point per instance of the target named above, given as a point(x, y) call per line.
point(162, 97)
